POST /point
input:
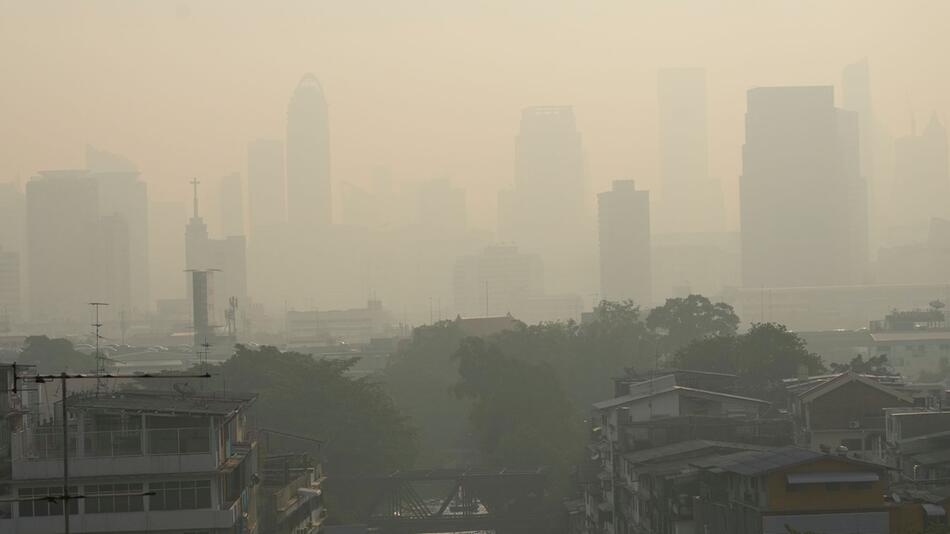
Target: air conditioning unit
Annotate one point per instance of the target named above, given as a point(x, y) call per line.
point(854, 424)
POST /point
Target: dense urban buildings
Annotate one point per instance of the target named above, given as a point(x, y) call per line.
point(802, 199)
point(624, 219)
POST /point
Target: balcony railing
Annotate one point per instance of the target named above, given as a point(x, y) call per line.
point(114, 443)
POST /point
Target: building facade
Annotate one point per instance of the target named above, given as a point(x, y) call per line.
point(624, 222)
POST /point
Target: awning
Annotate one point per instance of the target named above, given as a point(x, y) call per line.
point(824, 478)
point(934, 510)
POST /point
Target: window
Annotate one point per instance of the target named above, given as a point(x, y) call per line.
point(108, 498)
point(41, 507)
point(180, 495)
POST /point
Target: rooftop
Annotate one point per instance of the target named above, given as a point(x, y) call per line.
point(760, 462)
point(657, 453)
point(625, 399)
point(167, 402)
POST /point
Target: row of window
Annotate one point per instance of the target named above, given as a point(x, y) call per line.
point(110, 498)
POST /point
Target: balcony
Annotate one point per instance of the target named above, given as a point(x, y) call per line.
point(176, 520)
point(38, 455)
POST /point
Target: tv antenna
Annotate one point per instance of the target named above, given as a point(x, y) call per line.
point(100, 362)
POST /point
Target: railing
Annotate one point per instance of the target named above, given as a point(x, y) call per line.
point(113, 443)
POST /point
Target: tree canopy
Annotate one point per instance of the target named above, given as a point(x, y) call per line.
point(762, 357)
point(302, 395)
point(874, 365)
point(691, 318)
point(55, 355)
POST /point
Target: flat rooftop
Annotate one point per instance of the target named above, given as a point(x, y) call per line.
point(164, 402)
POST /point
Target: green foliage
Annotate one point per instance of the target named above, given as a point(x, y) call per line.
point(875, 365)
point(364, 432)
point(692, 318)
point(419, 379)
point(763, 356)
point(55, 355)
point(521, 414)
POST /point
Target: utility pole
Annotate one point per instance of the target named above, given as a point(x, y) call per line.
point(63, 377)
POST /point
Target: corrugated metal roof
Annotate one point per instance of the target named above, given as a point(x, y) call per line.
point(819, 478)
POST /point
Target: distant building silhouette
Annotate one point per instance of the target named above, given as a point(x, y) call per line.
point(624, 217)
point(921, 177)
point(308, 156)
point(228, 255)
point(266, 185)
point(692, 202)
point(62, 214)
point(231, 205)
point(495, 281)
point(547, 212)
point(123, 196)
point(167, 248)
point(803, 202)
point(10, 289)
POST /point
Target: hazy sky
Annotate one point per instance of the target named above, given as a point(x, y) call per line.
point(429, 88)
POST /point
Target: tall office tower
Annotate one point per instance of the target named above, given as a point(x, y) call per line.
point(856, 97)
point(12, 216)
point(231, 205)
point(547, 212)
point(9, 289)
point(441, 207)
point(691, 201)
point(624, 217)
point(115, 264)
point(62, 229)
point(803, 203)
point(266, 186)
point(496, 281)
point(921, 177)
point(122, 194)
point(167, 248)
point(308, 157)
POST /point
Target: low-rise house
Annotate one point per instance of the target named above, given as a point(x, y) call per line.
point(769, 491)
point(142, 461)
point(291, 495)
point(656, 496)
point(844, 412)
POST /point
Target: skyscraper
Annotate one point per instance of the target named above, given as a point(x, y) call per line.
point(441, 207)
point(921, 176)
point(308, 157)
point(803, 203)
point(124, 196)
point(547, 212)
point(691, 201)
point(62, 214)
point(624, 217)
point(266, 185)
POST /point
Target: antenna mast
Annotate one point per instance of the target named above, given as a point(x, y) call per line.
point(100, 363)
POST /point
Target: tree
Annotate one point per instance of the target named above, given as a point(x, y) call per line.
point(55, 355)
point(691, 318)
point(875, 365)
point(420, 377)
point(364, 431)
point(521, 415)
point(762, 357)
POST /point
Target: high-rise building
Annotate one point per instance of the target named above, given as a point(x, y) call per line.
point(115, 264)
point(548, 211)
point(124, 195)
point(62, 214)
point(803, 203)
point(231, 205)
point(308, 157)
point(691, 201)
point(167, 248)
point(856, 97)
point(624, 217)
point(921, 177)
point(266, 186)
point(9, 289)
